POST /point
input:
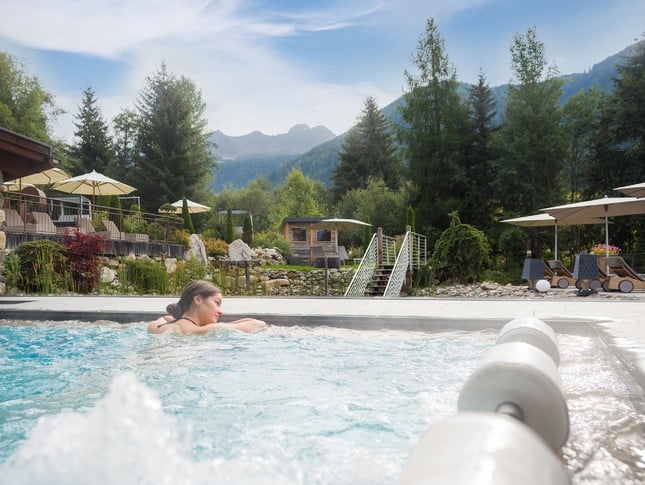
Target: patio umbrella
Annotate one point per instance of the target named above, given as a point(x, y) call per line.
point(636, 190)
point(45, 177)
point(193, 207)
point(547, 220)
point(93, 183)
point(605, 207)
point(337, 224)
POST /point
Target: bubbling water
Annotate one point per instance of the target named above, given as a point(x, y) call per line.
point(97, 404)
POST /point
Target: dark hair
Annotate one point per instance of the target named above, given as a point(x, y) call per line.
point(190, 291)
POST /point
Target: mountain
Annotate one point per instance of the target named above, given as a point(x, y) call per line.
point(298, 140)
point(319, 161)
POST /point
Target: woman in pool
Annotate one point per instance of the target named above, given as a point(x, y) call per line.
point(198, 311)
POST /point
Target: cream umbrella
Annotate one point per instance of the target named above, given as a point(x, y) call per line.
point(193, 207)
point(547, 220)
point(45, 177)
point(338, 224)
point(636, 190)
point(605, 207)
point(93, 183)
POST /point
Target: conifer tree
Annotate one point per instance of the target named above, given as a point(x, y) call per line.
point(172, 155)
point(434, 120)
point(477, 203)
point(531, 142)
point(368, 152)
point(93, 149)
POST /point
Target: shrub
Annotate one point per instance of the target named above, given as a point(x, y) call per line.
point(41, 267)
point(146, 276)
point(134, 222)
point(272, 239)
point(215, 247)
point(83, 259)
point(186, 271)
point(461, 253)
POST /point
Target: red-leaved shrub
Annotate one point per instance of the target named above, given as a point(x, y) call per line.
point(83, 259)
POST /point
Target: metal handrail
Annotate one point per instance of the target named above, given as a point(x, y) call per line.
point(400, 269)
point(419, 250)
point(365, 271)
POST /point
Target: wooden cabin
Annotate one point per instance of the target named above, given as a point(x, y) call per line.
point(303, 238)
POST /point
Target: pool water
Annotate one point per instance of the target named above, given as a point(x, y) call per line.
point(107, 403)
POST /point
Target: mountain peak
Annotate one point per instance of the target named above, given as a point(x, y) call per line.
point(298, 140)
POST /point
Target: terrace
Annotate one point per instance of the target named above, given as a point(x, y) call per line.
point(32, 216)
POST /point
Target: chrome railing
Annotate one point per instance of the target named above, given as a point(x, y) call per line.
point(365, 271)
point(419, 251)
point(400, 269)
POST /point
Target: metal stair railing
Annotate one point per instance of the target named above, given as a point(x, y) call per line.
point(400, 269)
point(365, 271)
point(419, 250)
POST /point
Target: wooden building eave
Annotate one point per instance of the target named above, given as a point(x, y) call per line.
point(21, 155)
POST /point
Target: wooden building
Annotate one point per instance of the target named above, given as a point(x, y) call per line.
point(303, 238)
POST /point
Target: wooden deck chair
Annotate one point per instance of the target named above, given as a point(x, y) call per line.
point(13, 222)
point(44, 224)
point(112, 231)
point(84, 225)
point(560, 276)
point(622, 276)
point(342, 254)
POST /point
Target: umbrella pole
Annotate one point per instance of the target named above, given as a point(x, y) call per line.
point(556, 240)
point(606, 243)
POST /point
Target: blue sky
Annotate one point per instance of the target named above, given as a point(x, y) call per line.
point(268, 65)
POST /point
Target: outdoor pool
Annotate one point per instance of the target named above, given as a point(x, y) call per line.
point(108, 403)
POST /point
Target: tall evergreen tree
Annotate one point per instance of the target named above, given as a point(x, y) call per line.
point(126, 127)
point(581, 120)
point(531, 143)
point(619, 148)
point(172, 158)
point(432, 132)
point(367, 152)
point(477, 204)
point(93, 149)
point(347, 174)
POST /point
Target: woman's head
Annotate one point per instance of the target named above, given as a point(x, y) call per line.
point(192, 295)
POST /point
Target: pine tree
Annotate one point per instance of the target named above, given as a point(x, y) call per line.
point(172, 155)
point(368, 152)
point(477, 203)
point(93, 149)
point(531, 142)
point(434, 119)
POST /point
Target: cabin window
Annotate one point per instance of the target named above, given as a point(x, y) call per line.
point(298, 234)
point(323, 235)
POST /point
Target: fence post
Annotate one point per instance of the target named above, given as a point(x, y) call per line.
point(379, 246)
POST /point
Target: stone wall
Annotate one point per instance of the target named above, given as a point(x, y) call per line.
point(263, 281)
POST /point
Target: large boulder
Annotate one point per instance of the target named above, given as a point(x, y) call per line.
point(196, 249)
point(238, 250)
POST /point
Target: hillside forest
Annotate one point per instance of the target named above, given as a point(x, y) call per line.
point(448, 154)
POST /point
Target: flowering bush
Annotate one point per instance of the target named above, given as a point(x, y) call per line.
point(601, 249)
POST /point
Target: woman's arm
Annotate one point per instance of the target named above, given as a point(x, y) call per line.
point(153, 327)
point(244, 325)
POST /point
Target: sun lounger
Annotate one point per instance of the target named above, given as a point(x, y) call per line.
point(558, 274)
point(319, 257)
point(44, 224)
point(621, 276)
point(113, 232)
point(14, 223)
point(342, 254)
